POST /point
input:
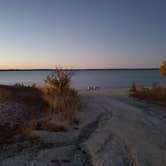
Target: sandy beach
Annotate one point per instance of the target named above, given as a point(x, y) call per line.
point(114, 130)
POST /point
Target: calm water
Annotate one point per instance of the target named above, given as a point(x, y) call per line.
point(83, 79)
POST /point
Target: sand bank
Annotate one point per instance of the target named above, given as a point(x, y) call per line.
point(114, 130)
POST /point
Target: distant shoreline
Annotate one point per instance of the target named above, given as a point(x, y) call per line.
point(79, 69)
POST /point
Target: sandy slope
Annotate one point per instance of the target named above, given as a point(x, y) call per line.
point(114, 131)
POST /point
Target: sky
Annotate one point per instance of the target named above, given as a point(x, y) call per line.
point(82, 33)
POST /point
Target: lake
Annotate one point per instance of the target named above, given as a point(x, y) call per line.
point(83, 78)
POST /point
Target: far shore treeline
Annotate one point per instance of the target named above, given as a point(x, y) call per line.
point(80, 69)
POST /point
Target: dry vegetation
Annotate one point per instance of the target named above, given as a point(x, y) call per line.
point(30, 96)
point(154, 95)
point(163, 69)
point(53, 107)
point(63, 109)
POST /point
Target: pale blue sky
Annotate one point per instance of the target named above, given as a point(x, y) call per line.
point(82, 33)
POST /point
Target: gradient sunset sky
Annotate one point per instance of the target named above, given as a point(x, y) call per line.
point(82, 33)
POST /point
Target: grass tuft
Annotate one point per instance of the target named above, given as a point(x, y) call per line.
point(155, 94)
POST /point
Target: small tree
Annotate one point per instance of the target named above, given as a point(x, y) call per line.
point(163, 69)
point(59, 80)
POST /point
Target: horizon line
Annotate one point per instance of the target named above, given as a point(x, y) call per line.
point(51, 69)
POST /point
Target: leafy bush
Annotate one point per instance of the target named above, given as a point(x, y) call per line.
point(59, 80)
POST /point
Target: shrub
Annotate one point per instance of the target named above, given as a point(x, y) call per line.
point(59, 80)
point(163, 69)
point(62, 98)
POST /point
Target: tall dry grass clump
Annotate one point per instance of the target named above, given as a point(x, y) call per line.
point(155, 94)
point(63, 100)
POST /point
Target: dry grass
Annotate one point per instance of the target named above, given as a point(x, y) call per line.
point(155, 94)
point(61, 97)
point(65, 103)
point(30, 96)
point(61, 113)
point(59, 102)
point(42, 98)
point(60, 110)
